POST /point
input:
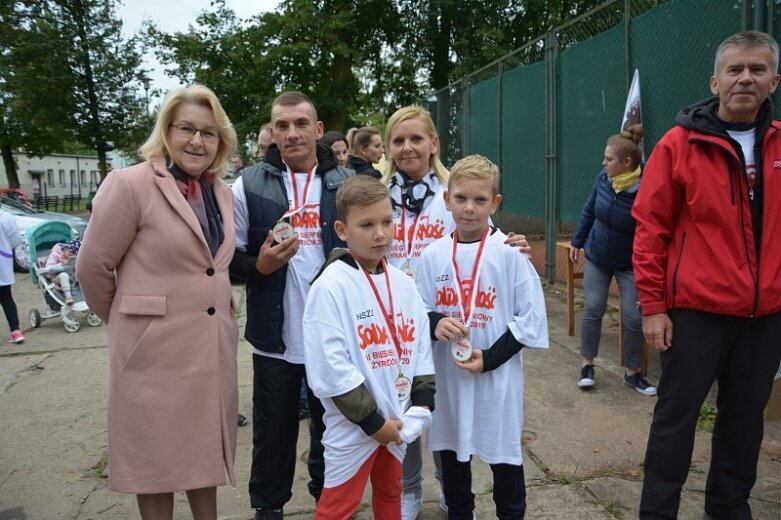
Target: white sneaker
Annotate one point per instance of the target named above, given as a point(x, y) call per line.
point(410, 506)
point(442, 503)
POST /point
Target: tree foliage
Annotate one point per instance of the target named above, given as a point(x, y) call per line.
point(67, 76)
point(359, 61)
point(34, 84)
point(104, 69)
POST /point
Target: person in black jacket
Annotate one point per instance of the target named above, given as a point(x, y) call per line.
point(366, 150)
point(285, 209)
point(606, 230)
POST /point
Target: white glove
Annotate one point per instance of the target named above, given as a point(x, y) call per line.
point(416, 419)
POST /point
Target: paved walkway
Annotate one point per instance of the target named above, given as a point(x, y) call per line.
point(583, 450)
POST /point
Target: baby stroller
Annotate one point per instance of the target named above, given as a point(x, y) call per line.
point(40, 240)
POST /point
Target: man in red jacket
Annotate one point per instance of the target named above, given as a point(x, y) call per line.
point(707, 260)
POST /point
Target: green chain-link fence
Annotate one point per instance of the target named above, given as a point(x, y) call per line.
point(544, 112)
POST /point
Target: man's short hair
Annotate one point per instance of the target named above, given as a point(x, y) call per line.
point(474, 167)
point(264, 127)
point(291, 99)
point(747, 39)
point(359, 190)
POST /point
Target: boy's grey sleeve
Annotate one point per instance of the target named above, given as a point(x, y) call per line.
point(359, 407)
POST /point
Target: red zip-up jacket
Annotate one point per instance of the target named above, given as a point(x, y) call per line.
point(694, 245)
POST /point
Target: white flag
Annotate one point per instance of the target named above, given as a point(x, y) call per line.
point(633, 113)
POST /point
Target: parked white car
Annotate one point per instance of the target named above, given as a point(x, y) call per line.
point(27, 218)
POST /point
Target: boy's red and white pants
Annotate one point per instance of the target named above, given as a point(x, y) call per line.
point(340, 502)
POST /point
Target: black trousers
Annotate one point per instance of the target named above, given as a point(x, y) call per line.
point(509, 489)
point(742, 355)
point(9, 307)
point(275, 397)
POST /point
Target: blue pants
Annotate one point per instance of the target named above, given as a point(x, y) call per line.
point(596, 284)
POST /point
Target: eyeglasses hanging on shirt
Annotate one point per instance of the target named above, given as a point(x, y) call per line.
point(409, 194)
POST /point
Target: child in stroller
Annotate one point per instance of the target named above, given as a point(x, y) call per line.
point(63, 255)
point(61, 294)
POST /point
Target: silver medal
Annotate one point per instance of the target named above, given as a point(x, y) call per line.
point(461, 349)
point(282, 231)
point(403, 387)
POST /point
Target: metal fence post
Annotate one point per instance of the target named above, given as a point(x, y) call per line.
point(551, 154)
point(628, 42)
point(500, 108)
point(443, 121)
point(760, 15)
point(466, 147)
point(746, 16)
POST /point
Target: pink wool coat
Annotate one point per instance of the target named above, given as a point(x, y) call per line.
point(172, 335)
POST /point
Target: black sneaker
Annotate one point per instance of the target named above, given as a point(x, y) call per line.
point(268, 514)
point(242, 420)
point(587, 377)
point(638, 382)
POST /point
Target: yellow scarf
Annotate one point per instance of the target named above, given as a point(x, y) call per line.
point(626, 180)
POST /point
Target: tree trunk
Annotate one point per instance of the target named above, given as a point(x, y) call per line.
point(10, 166)
point(342, 75)
point(102, 160)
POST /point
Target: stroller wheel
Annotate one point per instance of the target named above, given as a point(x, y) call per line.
point(93, 320)
point(35, 318)
point(71, 324)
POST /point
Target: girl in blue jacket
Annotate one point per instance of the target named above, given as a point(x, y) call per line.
point(606, 230)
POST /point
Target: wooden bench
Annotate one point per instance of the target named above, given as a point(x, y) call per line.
point(47, 201)
point(71, 200)
point(573, 273)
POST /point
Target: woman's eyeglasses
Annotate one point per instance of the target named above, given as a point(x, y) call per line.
point(209, 135)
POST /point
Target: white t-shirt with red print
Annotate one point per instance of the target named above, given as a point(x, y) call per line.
point(348, 343)
point(304, 265)
point(482, 414)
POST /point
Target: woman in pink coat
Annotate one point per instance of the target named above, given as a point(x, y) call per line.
point(165, 227)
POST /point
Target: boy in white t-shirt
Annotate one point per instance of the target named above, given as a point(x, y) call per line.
point(368, 358)
point(471, 277)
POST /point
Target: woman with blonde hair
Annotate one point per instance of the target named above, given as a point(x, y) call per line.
point(365, 151)
point(154, 266)
point(606, 230)
point(417, 180)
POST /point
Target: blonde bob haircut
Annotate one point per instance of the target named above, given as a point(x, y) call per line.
point(474, 167)
point(404, 114)
point(157, 145)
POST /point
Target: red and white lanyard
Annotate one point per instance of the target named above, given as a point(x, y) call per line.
point(388, 313)
point(468, 307)
point(407, 239)
point(296, 207)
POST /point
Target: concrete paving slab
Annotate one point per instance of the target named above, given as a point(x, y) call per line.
point(583, 451)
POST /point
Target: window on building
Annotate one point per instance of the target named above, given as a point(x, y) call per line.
point(83, 178)
point(50, 177)
point(62, 177)
point(73, 177)
point(93, 180)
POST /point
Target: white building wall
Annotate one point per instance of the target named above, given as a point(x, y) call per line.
point(59, 174)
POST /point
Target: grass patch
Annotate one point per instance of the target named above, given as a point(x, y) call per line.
point(707, 417)
point(613, 509)
point(36, 368)
point(99, 469)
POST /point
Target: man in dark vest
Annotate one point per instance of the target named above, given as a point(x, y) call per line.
point(285, 210)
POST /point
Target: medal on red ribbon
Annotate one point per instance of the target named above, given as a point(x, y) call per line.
point(402, 383)
point(407, 240)
point(461, 348)
point(283, 229)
